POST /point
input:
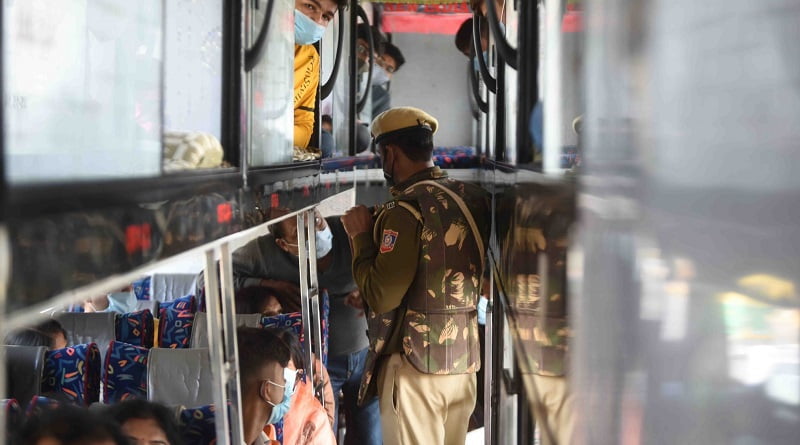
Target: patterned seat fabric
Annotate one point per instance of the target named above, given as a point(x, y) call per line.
point(13, 416)
point(197, 425)
point(175, 322)
point(136, 328)
point(74, 373)
point(293, 320)
point(125, 375)
point(141, 288)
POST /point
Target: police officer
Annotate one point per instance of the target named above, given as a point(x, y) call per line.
point(419, 263)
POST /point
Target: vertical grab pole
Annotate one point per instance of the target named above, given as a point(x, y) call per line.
point(215, 350)
point(488, 406)
point(302, 259)
point(231, 349)
point(553, 138)
point(5, 262)
point(314, 289)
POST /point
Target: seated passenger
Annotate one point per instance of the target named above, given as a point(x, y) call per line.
point(271, 262)
point(68, 425)
point(307, 422)
point(266, 381)
point(121, 302)
point(49, 333)
point(145, 423)
point(311, 17)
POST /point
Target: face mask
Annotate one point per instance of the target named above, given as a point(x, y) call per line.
point(306, 31)
point(379, 76)
point(324, 242)
point(121, 302)
point(280, 410)
point(477, 62)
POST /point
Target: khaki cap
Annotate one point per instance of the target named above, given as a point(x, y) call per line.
point(395, 120)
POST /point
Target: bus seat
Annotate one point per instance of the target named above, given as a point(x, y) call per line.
point(292, 320)
point(179, 376)
point(152, 305)
point(197, 425)
point(39, 404)
point(169, 287)
point(175, 322)
point(92, 327)
point(136, 328)
point(25, 370)
point(141, 288)
point(125, 375)
point(200, 327)
point(74, 373)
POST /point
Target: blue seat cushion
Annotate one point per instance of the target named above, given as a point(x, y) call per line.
point(125, 374)
point(175, 322)
point(136, 328)
point(74, 373)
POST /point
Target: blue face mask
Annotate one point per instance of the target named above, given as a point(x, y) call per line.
point(306, 31)
point(280, 410)
point(379, 76)
point(485, 59)
point(121, 302)
point(324, 242)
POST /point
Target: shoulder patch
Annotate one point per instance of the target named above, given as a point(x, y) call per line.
point(388, 240)
point(390, 205)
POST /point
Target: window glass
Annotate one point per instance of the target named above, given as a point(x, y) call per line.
point(82, 89)
point(271, 85)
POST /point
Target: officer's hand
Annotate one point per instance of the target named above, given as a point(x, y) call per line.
point(357, 220)
point(353, 299)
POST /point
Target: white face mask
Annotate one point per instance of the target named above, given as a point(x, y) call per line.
point(324, 242)
point(379, 76)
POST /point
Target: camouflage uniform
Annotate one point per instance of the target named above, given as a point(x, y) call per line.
point(437, 267)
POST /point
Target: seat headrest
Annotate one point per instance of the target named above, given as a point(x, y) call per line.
point(200, 327)
point(179, 376)
point(25, 368)
point(92, 327)
point(168, 287)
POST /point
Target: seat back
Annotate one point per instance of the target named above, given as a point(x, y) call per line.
point(168, 287)
point(125, 375)
point(25, 371)
point(92, 327)
point(197, 425)
point(151, 305)
point(12, 416)
point(179, 376)
point(73, 373)
point(175, 321)
point(136, 328)
point(200, 327)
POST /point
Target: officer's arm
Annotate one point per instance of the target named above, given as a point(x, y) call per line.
point(384, 272)
point(249, 264)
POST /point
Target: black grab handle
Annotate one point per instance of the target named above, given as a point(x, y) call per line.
point(327, 88)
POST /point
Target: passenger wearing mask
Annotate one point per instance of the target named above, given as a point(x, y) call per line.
point(311, 17)
point(306, 422)
point(270, 263)
point(121, 302)
point(145, 423)
point(465, 44)
point(388, 63)
point(267, 383)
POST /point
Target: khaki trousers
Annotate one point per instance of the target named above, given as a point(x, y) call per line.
point(418, 408)
point(553, 410)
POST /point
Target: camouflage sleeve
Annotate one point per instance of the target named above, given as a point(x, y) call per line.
point(385, 272)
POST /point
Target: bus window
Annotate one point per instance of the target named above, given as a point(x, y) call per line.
point(271, 85)
point(82, 89)
point(192, 87)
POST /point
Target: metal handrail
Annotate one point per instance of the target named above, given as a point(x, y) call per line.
point(506, 51)
point(491, 82)
point(363, 102)
point(327, 87)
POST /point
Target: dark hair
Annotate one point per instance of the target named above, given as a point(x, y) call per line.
point(326, 118)
point(363, 31)
point(394, 52)
point(416, 143)
point(464, 34)
point(252, 299)
point(29, 337)
point(52, 327)
point(293, 343)
point(142, 409)
point(70, 425)
point(257, 348)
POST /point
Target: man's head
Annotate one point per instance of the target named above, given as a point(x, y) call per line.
point(314, 16)
point(404, 137)
point(285, 233)
point(327, 123)
point(464, 36)
point(392, 59)
point(146, 423)
point(262, 360)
